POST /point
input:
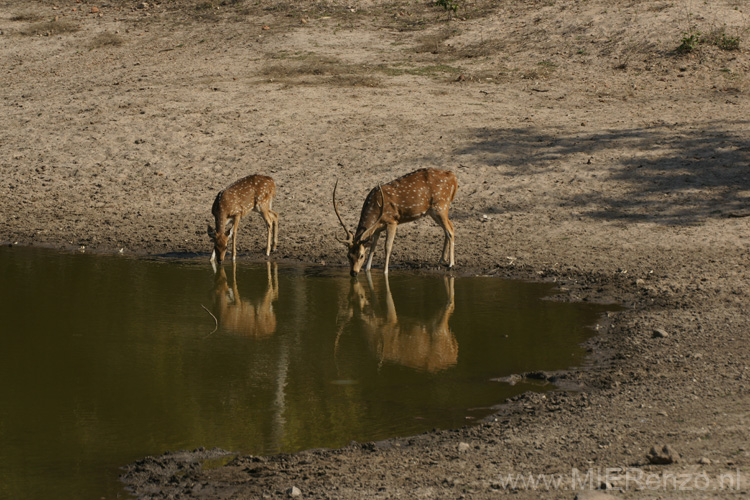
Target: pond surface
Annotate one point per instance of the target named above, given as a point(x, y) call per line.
point(105, 359)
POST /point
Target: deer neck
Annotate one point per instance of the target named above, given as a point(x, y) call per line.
point(369, 216)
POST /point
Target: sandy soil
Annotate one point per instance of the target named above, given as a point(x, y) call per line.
point(588, 151)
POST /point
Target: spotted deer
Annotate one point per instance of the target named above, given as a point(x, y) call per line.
point(427, 191)
point(251, 193)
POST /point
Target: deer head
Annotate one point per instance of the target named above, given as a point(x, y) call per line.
point(358, 244)
point(220, 241)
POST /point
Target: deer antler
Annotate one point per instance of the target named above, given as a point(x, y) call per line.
point(349, 237)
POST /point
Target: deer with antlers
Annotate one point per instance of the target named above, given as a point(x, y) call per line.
point(427, 191)
point(251, 193)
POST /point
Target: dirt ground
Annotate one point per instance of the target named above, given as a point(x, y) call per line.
point(589, 150)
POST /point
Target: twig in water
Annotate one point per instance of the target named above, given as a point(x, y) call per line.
point(216, 321)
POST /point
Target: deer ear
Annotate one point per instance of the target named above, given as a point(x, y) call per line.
point(211, 232)
point(231, 230)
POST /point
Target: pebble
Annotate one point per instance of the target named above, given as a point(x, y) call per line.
point(667, 455)
point(293, 492)
point(704, 461)
point(660, 333)
point(463, 447)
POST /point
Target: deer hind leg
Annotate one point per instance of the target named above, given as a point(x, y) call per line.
point(443, 221)
point(275, 217)
point(269, 220)
point(390, 235)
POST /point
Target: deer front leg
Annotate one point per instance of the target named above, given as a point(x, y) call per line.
point(235, 227)
point(390, 235)
point(371, 253)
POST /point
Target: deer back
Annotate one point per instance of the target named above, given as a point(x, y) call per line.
point(244, 195)
point(408, 198)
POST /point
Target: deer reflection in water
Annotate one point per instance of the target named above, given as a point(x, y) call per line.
point(250, 317)
point(425, 344)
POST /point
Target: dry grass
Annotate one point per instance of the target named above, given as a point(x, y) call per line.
point(434, 43)
point(28, 17)
point(106, 40)
point(542, 71)
point(50, 28)
point(315, 69)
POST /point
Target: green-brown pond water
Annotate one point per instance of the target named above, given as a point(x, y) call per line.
point(105, 359)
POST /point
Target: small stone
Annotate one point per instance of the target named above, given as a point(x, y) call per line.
point(704, 461)
point(293, 492)
point(463, 447)
point(660, 333)
point(94, 10)
point(667, 455)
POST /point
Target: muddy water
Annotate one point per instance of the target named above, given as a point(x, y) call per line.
point(104, 360)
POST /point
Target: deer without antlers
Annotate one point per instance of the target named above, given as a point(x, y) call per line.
point(254, 192)
point(427, 191)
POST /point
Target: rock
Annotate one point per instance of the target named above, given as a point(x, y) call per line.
point(463, 447)
point(94, 10)
point(293, 492)
point(538, 375)
point(660, 333)
point(704, 461)
point(667, 455)
point(510, 379)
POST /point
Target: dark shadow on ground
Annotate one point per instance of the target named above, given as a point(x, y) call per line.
point(675, 173)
